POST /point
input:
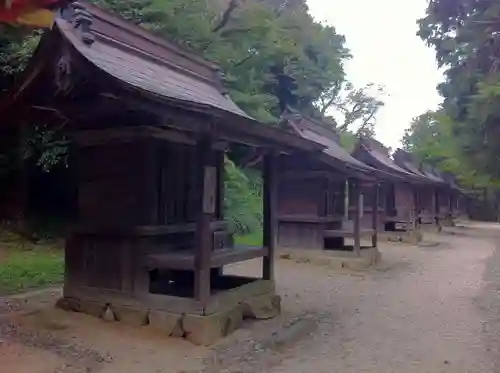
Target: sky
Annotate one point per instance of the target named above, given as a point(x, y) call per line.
point(381, 35)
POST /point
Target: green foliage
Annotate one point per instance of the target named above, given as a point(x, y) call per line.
point(431, 138)
point(24, 265)
point(273, 54)
point(16, 48)
point(465, 35)
point(348, 140)
point(355, 109)
point(243, 201)
point(31, 269)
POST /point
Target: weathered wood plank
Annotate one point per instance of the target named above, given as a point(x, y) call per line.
point(297, 218)
point(270, 205)
point(203, 232)
point(357, 218)
point(375, 215)
point(185, 259)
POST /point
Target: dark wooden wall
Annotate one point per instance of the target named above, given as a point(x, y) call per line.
point(130, 196)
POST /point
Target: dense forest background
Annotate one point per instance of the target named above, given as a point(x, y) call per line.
point(463, 135)
point(275, 55)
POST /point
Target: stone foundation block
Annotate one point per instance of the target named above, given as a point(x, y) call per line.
point(131, 316)
point(92, 308)
point(262, 307)
point(208, 329)
point(166, 322)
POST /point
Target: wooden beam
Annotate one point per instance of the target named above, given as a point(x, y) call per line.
point(206, 207)
point(94, 137)
point(357, 218)
point(375, 212)
point(270, 205)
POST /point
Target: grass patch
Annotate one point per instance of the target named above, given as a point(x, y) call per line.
point(24, 270)
point(251, 239)
point(25, 266)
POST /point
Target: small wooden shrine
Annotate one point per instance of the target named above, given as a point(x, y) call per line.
point(399, 207)
point(312, 208)
point(441, 193)
point(426, 196)
point(150, 124)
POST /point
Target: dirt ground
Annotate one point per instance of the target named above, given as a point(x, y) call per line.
point(428, 309)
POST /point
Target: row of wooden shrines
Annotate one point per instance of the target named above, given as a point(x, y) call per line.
point(324, 201)
point(151, 124)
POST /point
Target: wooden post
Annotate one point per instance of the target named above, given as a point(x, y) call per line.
point(345, 187)
point(270, 199)
point(436, 205)
point(375, 215)
point(357, 216)
point(415, 206)
point(450, 205)
point(206, 207)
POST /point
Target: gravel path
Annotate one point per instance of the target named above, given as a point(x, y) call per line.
point(430, 309)
point(418, 312)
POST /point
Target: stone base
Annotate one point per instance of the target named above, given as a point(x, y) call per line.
point(412, 237)
point(335, 258)
point(450, 222)
point(199, 329)
point(431, 228)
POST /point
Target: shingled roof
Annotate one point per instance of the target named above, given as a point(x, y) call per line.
point(405, 160)
point(319, 132)
point(153, 69)
point(149, 63)
point(375, 154)
point(432, 173)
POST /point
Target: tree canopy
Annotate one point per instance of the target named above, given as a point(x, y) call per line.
point(466, 37)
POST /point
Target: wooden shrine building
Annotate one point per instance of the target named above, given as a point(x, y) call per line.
point(456, 201)
point(312, 210)
point(398, 210)
point(150, 124)
point(427, 195)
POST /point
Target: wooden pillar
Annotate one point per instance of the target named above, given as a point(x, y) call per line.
point(270, 199)
point(357, 217)
point(205, 182)
point(436, 204)
point(450, 204)
point(376, 190)
point(345, 188)
point(416, 205)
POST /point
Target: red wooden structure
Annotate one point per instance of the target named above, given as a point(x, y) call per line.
point(150, 124)
point(33, 13)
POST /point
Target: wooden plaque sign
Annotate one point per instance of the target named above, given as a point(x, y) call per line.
point(209, 190)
